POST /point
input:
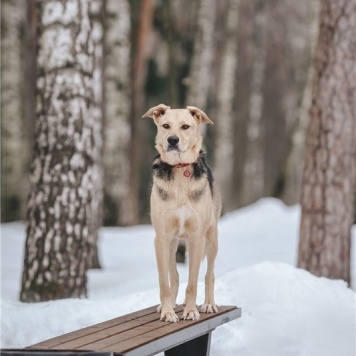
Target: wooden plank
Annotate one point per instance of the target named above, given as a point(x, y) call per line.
point(171, 334)
point(174, 334)
point(139, 333)
point(31, 352)
point(124, 335)
point(52, 343)
point(120, 332)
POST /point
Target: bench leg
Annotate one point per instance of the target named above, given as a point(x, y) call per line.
point(196, 347)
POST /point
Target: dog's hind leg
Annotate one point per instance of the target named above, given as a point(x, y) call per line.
point(209, 305)
point(173, 272)
point(162, 246)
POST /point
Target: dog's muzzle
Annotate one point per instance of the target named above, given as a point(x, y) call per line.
point(173, 143)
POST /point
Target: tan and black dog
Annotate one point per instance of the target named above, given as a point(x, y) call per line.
point(185, 203)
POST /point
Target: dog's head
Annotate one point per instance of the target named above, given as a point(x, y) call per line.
point(178, 137)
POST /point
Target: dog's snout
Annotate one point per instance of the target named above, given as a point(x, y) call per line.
point(173, 140)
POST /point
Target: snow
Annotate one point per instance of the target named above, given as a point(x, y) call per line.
point(285, 311)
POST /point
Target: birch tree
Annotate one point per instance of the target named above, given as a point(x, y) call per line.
point(329, 169)
point(224, 147)
point(96, 14)
point(200, 72)
point(253, 177)
point(63, 173)
point(14, 158)
point(117, 109)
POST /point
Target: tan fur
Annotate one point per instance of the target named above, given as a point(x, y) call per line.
point(182, 216)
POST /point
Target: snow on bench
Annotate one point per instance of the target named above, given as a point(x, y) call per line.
point(139, 333)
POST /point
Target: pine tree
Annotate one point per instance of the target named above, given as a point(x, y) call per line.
point(329, 170)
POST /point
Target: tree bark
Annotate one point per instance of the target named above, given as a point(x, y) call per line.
point(224, 146)
point(139, 74)
point(63, 171)
point(329, 169)
point(199, 78)
point(253, 179)
point(294, 165)
point(169, 28)
point(14, 159)
point(96, 14)
point(117, 113)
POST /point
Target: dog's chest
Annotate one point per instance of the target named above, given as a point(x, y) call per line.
point(182, 189)
point(181, 198)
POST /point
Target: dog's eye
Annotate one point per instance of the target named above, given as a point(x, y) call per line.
point(165, 126)
point(185, 127)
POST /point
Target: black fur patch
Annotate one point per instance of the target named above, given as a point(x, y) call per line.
point(162, 193)
point(162, 170)
point(197, 194)
point(201, 168)
point(210, 179)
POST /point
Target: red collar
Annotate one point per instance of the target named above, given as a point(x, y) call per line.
point(181, 165)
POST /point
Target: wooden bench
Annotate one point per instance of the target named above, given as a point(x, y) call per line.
point(139, 333)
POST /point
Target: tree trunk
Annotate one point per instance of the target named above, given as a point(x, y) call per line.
point(253, 179)
point(199, 79)
point(117, 112)
point(137, 108)
point(63, 173)
point(294, 165)
point(329, 169)
point(14, 160)
point(224, 146)
point(169, 28)
point(96, 13)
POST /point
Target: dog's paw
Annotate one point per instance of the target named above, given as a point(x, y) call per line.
point(209, 308)
point(191, 314)
point(159, 308)
point(170, 317)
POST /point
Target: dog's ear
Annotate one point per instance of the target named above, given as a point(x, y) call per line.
point(199, 115)
point(156, 112)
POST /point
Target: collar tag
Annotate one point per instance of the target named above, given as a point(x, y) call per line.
point(187, 173)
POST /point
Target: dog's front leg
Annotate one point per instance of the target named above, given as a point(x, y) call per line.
point(173, 272)
point(209, 305)
point(196, 249)
point(162, 245)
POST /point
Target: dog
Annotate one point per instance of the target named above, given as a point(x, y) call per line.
point(185, 203)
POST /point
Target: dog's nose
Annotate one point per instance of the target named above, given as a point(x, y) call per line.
point(173, 140)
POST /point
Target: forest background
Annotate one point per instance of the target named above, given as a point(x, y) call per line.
point(247, 64)
point(277, 78)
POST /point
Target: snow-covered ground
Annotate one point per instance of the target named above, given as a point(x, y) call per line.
point(285, 311)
